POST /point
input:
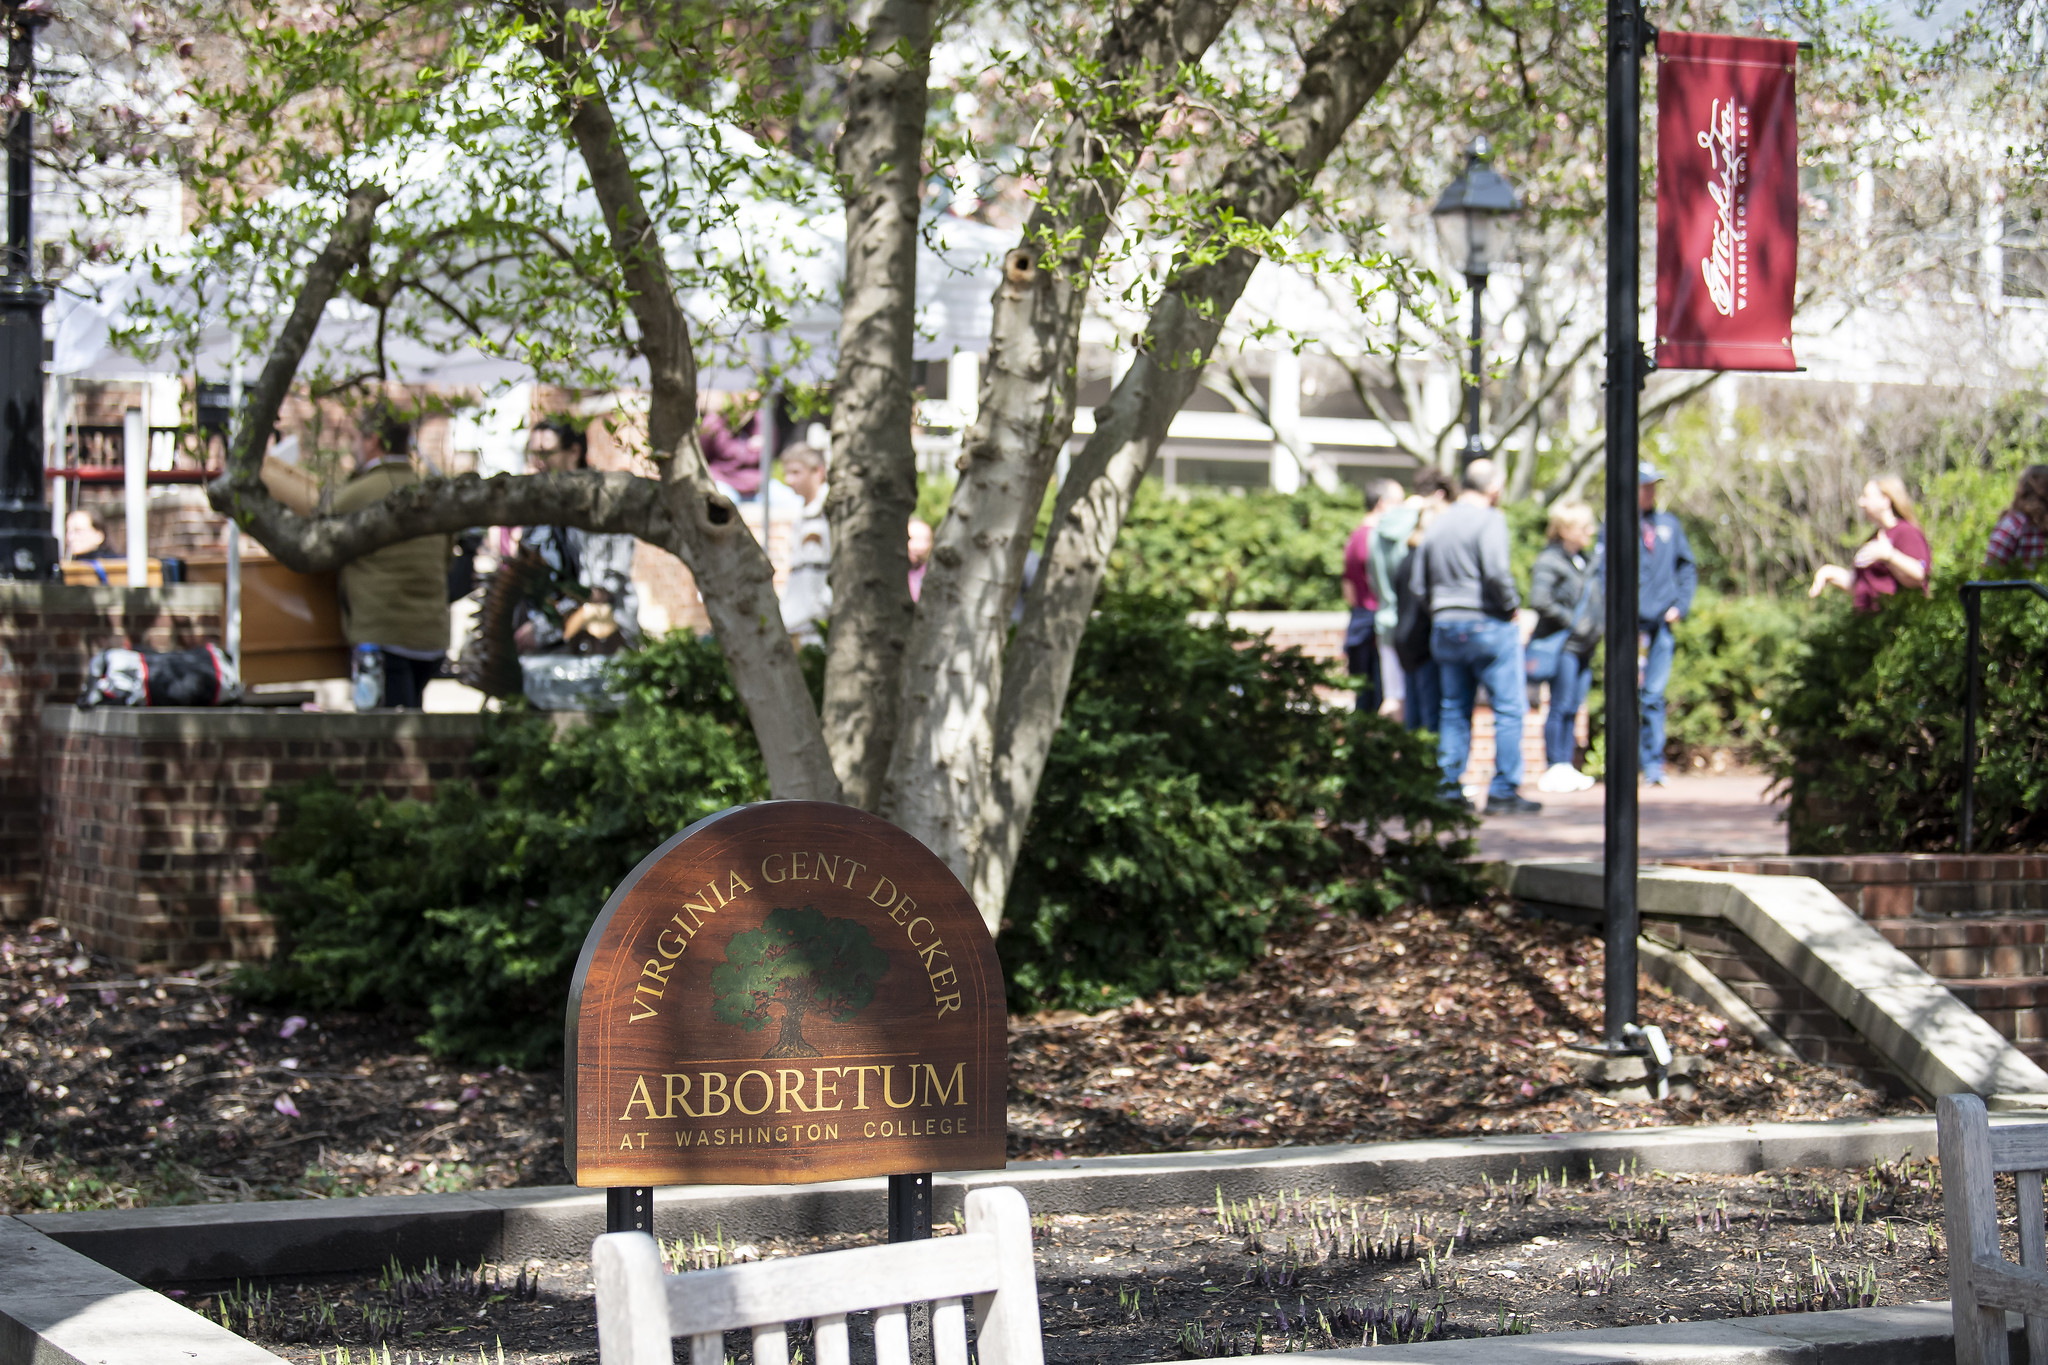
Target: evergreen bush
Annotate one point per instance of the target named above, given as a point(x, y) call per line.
point(1222, 551)
point(1871, 725)
point(1196, 792)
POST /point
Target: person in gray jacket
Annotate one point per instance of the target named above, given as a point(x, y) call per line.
point(1564, 592)
point(1473, 636)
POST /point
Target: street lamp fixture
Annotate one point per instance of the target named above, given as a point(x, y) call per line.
point(1472, 219)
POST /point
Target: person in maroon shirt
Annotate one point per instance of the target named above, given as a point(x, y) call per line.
point(730, 437)
point(1896, 557)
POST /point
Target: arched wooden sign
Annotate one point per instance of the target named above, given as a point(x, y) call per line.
point(786, 992)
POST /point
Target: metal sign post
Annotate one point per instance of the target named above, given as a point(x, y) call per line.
point(1627, 369)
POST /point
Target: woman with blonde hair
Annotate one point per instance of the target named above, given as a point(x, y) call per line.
point(2020, 540)
point(1896, 557)
point(1564, 592)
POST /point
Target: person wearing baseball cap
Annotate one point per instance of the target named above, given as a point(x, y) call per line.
point(1666, 580)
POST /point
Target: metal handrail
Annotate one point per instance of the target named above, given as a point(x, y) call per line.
point(1973, 607)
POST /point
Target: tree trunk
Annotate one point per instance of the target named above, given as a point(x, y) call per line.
point(880, 157)
point(939, 772)
point(1345, 68)
point(791, 1041)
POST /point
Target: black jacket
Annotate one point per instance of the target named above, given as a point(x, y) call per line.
point(1558, 586)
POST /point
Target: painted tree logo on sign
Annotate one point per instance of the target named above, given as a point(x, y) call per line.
point(799, 962)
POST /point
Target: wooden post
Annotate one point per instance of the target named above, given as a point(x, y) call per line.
point(1970, 1203)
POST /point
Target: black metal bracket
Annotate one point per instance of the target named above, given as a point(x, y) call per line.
point(629, 1208)
point(910, 1220)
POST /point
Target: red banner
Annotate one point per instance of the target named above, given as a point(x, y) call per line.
point(1727, 202)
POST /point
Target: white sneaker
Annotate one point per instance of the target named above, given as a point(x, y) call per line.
point(1581, 782)
point(1559, 777)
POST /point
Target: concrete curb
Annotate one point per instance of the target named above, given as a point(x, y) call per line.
point(302, 1237)
point(1910, 1334)
point(1934, 1041)
point(58, 1307)
point(69, 1291)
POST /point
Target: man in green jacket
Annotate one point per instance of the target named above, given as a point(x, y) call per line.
point(394, 601)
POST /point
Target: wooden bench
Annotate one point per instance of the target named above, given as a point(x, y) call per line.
point(640, 1309)
point(1982, 1283)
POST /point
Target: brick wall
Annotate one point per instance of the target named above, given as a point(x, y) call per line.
point(1978, 923)
point(47, 633)
point(1896, 886)
point(154, 819)
point(1799, 1016)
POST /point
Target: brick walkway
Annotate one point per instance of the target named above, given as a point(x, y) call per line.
point(1692, 817)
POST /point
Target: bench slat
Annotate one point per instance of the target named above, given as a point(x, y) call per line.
point(832, 1282)
point(2020, 1148)
point(949, 1332)
point(892, 1336)
point(2001, 1284)
point(828, 1334)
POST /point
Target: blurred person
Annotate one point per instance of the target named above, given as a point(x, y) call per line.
point(1408, 680)
point(1361, 643)
point(394, 601)
point(920, 554)
point(85, 535)
point(1473, 637)
point(593, 604)
point(1564, 592)
point(729, 434)
point(1897, 556)
point(807, 593)
point(2019, 542)
point(1667, 576)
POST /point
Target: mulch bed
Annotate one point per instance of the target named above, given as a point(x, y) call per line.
point(118, 1088)
point(1301, 1272)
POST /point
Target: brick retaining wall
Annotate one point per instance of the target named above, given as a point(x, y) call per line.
point(1978, 923)
point(154, 819)
point(1798, 1016)
point(47, 633)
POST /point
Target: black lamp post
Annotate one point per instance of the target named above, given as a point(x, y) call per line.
point(27, 549)
point(1472, 218)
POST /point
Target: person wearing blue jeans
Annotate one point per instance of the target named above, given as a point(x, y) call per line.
point(1656, 677)
point(1473, 639)
point(1568, 688)
point(1667, 579)
point(1470, 653)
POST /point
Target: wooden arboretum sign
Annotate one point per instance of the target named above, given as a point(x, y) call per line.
point(786, 992)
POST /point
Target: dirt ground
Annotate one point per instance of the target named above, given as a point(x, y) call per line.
point(118, 1088)
point(1307, 1271)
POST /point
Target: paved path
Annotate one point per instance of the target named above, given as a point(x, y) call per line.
point(1691, 816)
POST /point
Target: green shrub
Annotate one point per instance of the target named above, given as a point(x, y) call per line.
point(1196, 792)
point(1221, 551)
point(1872, 722)
point(1193, 795)
point(1733, 657)
point(1733, 654)
point(471, 908)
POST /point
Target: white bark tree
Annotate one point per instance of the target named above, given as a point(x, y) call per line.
point(932, 714)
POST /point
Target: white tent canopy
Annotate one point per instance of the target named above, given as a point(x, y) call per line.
point(958, 269)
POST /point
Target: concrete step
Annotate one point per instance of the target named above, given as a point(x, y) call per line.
point(1966, 950)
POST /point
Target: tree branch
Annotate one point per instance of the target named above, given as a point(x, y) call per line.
point(941, 766)
point(1343, 70)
